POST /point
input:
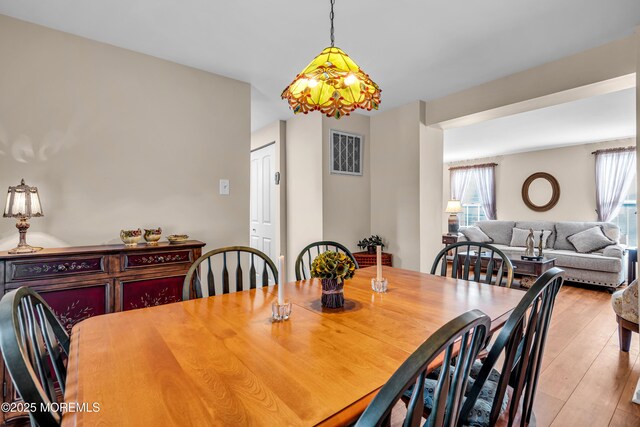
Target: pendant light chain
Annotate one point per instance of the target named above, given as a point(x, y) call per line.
point(331, 18)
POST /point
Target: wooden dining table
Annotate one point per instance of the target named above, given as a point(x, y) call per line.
point(222, 361)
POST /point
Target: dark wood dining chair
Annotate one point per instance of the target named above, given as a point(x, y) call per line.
point(491, 267)
point(308, 254)
point(506, 397)
point(34, 346)
point(465, 335)
point(259, 266)
point(521, 342)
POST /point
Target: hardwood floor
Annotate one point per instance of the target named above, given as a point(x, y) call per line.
point(586, 380)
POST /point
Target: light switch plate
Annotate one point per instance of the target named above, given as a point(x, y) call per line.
point(224, 187)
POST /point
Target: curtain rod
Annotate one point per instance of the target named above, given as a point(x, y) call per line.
point(483, 165)
point(613, 150)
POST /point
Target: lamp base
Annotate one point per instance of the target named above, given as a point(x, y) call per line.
point(25, 249)
point(454, 224)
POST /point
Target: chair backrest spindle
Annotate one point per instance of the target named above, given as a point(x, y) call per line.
point(252, 273)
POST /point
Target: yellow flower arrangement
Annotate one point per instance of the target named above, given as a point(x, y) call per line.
point(333, 265)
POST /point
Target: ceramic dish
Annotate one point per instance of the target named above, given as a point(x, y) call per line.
point(177, 238)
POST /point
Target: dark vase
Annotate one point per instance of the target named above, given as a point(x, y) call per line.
point(371, 249)
point(332, 293)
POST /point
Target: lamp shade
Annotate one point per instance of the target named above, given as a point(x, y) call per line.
point(454, 206)
point(333, 84)
point(22, 202)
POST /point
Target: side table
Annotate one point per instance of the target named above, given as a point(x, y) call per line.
point(365, 259)
point(632, 260)
point(450, 239)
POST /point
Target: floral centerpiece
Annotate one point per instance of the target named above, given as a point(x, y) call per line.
point(333, 268)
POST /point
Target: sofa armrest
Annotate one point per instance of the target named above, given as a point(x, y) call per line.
point(615, 251)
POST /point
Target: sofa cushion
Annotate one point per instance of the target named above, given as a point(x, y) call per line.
point(590, 240)
point(519, 237)
point(613, 251)
point(565, 229)
point(474, 234)
point(481, 412)
point(540, 225)
point(499, 231)
point(593, 262)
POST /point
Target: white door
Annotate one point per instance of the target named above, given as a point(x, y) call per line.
point(263, 203)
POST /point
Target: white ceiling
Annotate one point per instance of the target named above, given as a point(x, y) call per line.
point(600, 118)
point(414, 49)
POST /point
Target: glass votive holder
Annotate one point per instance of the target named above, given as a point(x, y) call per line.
point(379, 286)
point(280, 312)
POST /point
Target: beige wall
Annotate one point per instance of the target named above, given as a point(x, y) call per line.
point(395, 182)
point(431, 151)
point(116, 139)
point(304, 184)
point(275, 133)
point(346, 198)
point(573, 167)
point(573, 77)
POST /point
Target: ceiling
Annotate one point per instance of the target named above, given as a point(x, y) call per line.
point(599, 118)
point(414, 49)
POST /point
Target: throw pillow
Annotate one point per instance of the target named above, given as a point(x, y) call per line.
point(474, 234)
point(519, 237)
point(589, 240)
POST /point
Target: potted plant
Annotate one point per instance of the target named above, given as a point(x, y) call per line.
point(332, 268)
point(370, 243)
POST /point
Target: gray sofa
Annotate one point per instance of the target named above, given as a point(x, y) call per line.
point(605, 267)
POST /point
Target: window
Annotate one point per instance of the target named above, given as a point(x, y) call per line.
point(626, 218)
point(346, 153)
point(472, 210)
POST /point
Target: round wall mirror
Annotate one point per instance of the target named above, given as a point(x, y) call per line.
point(540, 192)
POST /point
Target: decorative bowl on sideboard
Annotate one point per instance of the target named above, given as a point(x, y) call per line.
point(177, 238)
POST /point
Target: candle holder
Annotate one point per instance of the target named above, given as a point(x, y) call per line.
point(280, 312)
point(379, 286)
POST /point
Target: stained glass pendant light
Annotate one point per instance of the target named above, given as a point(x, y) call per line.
point(333, 84)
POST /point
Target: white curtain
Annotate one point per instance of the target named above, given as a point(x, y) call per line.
point(459, 179)
point(486, 179)
point(615, 171)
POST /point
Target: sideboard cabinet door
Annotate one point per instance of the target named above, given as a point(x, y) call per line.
point(150, 292)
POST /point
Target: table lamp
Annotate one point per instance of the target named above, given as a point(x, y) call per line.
point(23, 202)
point(454, 207)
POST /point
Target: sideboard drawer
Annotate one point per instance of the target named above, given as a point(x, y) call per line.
point(150, 259)
point(21, 270)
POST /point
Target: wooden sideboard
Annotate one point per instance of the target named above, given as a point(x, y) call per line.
point(85, 281)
